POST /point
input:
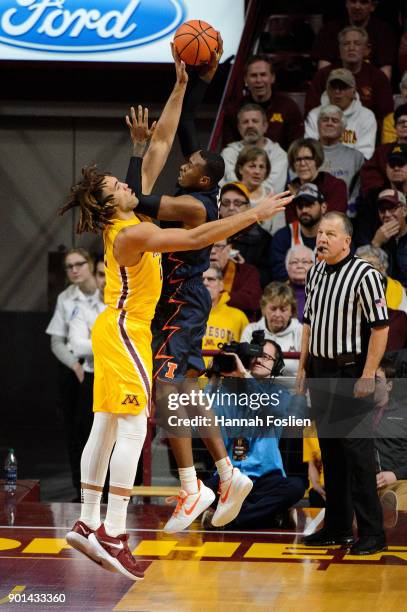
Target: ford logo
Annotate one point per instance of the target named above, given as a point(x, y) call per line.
point(87, 25)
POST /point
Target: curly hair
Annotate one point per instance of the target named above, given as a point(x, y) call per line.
point(95, 209)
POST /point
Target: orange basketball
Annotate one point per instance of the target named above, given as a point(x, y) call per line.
point(195, 41)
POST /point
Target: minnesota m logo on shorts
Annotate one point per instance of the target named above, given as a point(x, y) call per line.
point(131, 399)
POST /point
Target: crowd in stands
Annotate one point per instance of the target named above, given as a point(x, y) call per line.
point(348, 153)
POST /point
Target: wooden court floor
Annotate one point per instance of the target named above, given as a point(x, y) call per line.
point(195, 570)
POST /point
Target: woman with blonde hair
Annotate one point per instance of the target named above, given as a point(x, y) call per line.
point(279, 322)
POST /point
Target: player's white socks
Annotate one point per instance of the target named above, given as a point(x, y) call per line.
point(90, 508)
point(225, 468)
point(131, 433)
point(115, 522)
point(189, 482)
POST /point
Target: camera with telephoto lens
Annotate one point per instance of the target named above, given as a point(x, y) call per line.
point(224, 364)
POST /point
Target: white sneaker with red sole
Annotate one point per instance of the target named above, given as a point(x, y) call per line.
point(232, 494)
point(189, 507)
point(114, 553)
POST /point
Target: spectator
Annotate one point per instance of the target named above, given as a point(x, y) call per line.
point(340, 161)
point(361, 125)
point(255, 451)
point(306, 157)
point(224, 322)
point(252, 169)
point(240, 280)
point(284, 118)
point(279, 322)
point(391, 235)
point(310, 206)
point(299, 260)
point(79, 339)
point(395, 297)
point(252, 125)
point(252, 243)
point(383, 40)
point(79, 268)
point(389, 130)
point(373, 172)
point(372, 85)
point(368, 220)
point(391, 440)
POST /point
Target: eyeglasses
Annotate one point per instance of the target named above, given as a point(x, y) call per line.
point(296, 262)
point(402, 122)
point(210, 279)
point(78, 264)
point(305, 158)
point(267, 357)
point(237, 203)
point(219, 246)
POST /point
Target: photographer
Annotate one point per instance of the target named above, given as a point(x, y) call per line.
point(254, 450)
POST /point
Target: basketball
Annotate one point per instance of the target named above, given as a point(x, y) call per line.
point(195, 41)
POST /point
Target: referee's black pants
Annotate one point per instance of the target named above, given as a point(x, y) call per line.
point(348, 460)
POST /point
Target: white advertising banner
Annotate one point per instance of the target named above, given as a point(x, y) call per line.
point(108, 30)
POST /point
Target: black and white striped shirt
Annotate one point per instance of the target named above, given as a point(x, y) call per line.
point(341, 299)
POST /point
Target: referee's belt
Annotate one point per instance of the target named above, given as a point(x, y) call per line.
point(342, 360)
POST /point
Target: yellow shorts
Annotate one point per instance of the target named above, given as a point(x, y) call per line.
point(123, 363)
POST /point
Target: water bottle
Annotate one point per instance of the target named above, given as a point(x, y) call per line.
point(10, 472)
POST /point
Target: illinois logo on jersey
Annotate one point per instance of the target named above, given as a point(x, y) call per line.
point(171, 367)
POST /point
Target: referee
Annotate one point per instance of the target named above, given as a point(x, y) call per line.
point(344, 338)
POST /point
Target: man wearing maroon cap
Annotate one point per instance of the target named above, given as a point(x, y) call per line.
point(383, 224)
point(391, 236)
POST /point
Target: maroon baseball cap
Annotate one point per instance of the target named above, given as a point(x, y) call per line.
point(390, 198)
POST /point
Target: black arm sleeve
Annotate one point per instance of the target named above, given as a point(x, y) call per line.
point(133, 176)
point(187, 132)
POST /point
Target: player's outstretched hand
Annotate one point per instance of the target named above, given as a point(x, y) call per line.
point(272, 205)
point(207, 71)
point(140, 132)
point(180, 69)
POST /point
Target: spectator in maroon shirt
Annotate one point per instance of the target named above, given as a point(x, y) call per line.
point(373, 174)
point(372, 85)
point(383, 40)
point(285, 122)
point(305, 158)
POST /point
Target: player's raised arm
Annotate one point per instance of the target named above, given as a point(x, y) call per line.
point(147, 237)
point(165, 130)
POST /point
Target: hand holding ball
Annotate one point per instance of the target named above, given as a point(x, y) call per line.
point(195, 41)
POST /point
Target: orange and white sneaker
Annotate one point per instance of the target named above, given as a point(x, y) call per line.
point(232, 494)
point(189, 506)
point(78, 538)
point(114, 553)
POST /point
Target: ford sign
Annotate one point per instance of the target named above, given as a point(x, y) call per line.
point(91, 26)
